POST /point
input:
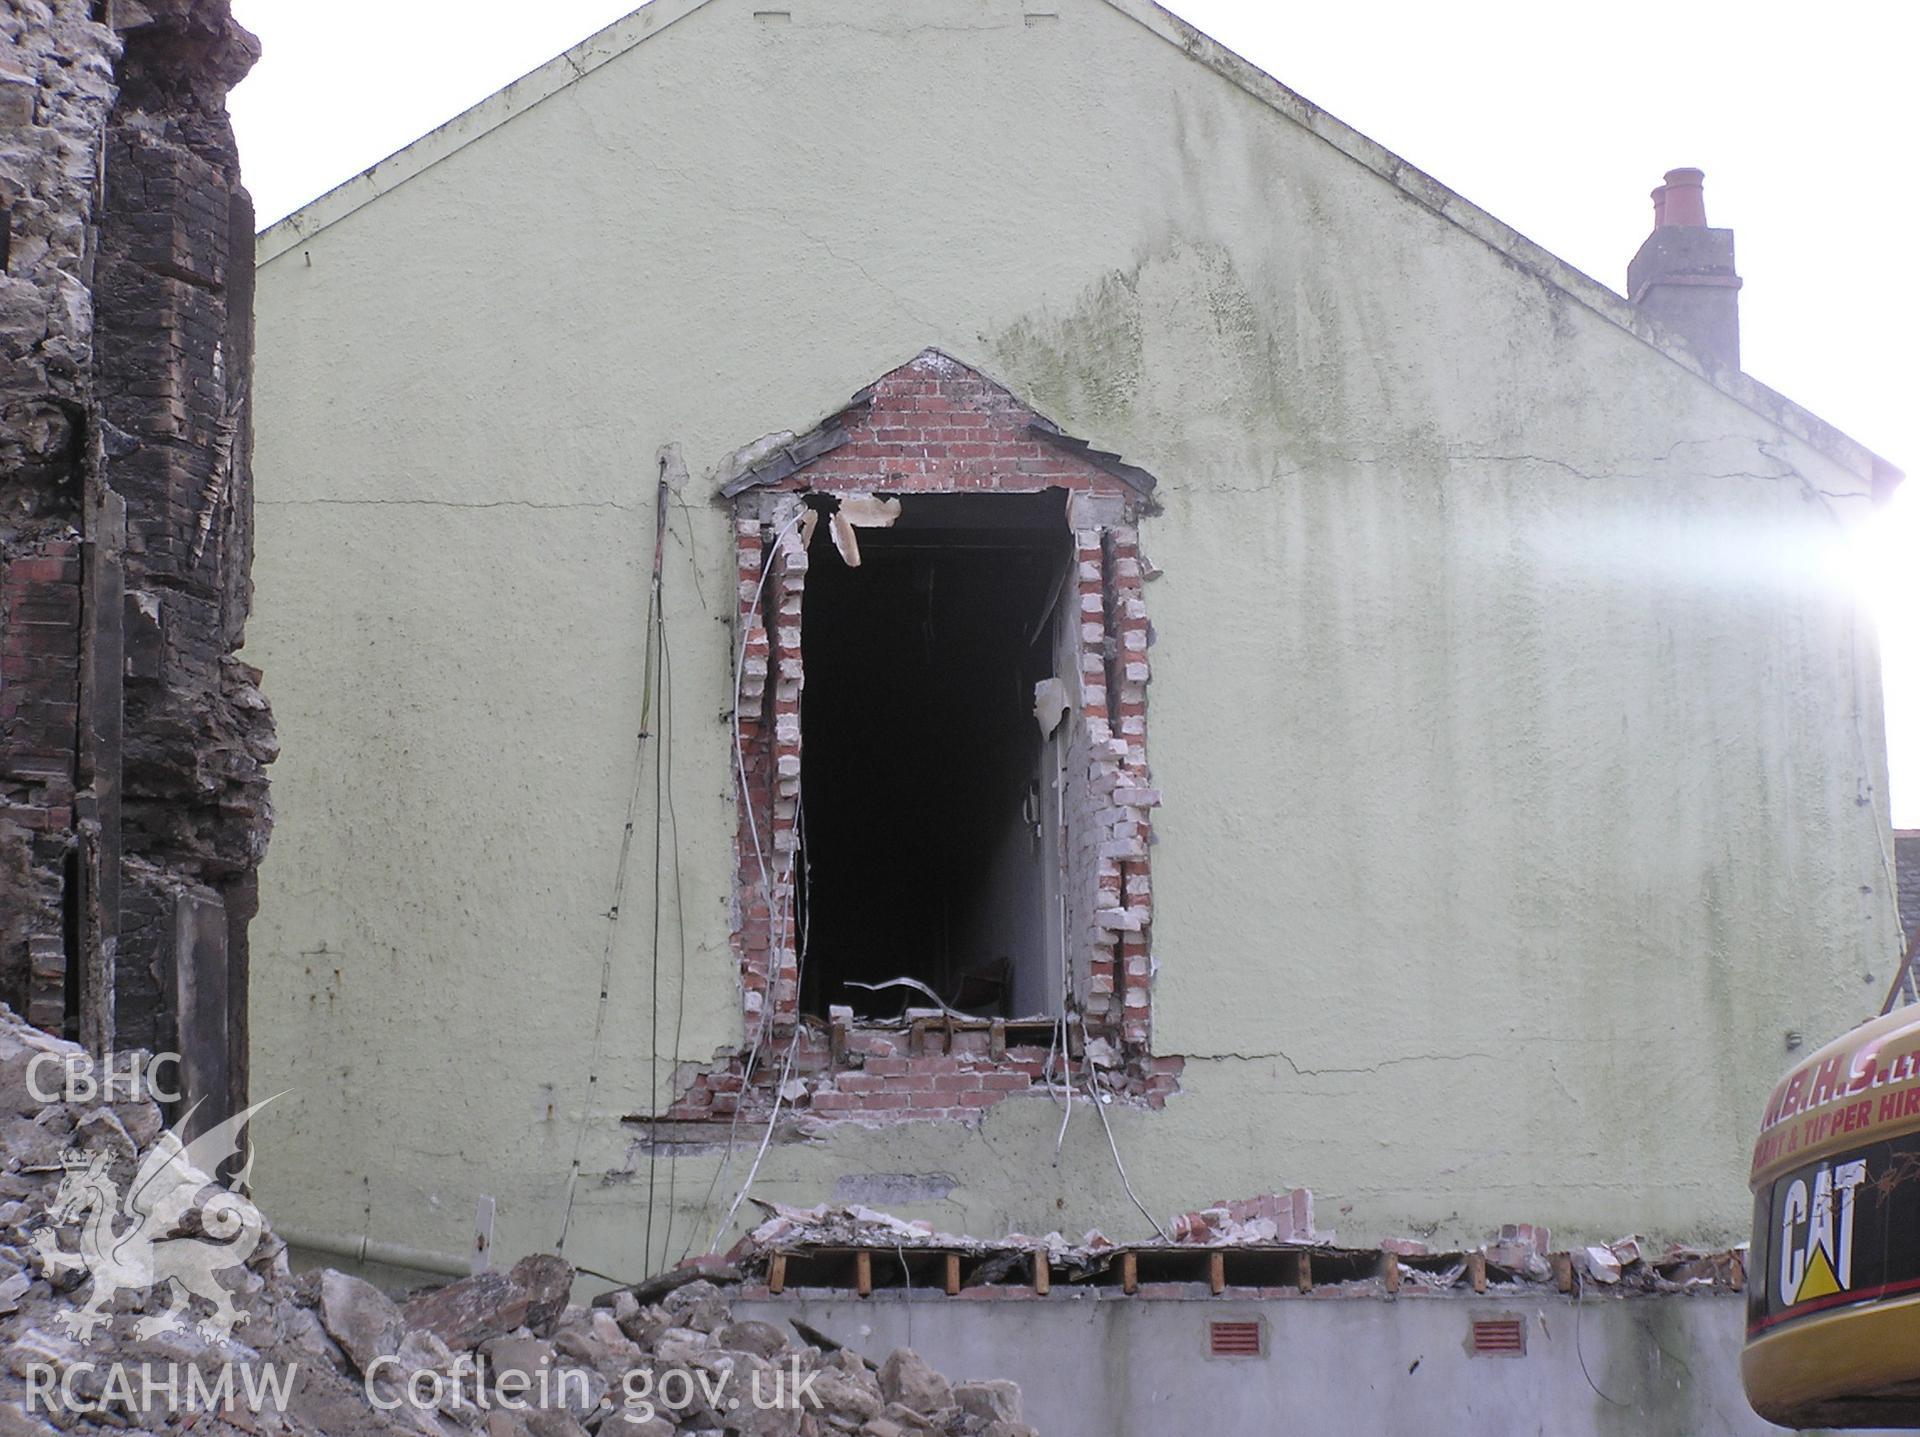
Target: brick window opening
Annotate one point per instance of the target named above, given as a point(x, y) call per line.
point(932, 842)
point(940, 757)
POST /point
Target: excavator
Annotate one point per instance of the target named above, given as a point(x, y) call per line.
point(1833, 1276)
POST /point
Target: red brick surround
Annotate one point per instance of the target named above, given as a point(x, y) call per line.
point(935, 426)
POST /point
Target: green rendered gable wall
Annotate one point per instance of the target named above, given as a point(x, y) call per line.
point(1518, 734)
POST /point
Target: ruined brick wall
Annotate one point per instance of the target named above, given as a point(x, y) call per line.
point(56, 95)
point(175, 298)
point(934, 426)
point(1906, 849)
point(132, 741)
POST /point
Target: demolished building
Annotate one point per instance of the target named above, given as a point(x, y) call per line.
point(133, 808)
point(1270, 681)
point(321, 1353)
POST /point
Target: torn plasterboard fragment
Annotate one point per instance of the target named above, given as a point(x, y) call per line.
point(843, 540)
point(860, 511)
point(863, 511)
point(1050, 705)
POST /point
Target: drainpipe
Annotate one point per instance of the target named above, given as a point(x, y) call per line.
point(365, 1249)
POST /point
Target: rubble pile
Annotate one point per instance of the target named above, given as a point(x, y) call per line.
point(1270, 1217)
point(1628, 1266)
point(856, 1226)
point(1517, 1256)
point(494, 1354)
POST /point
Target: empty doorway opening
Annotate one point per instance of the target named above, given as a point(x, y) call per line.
point(930, 831)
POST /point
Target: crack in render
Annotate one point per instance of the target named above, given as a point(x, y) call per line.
point(1337, 1072)
point(455, 503)
point(899, 301)
point(1640, 469)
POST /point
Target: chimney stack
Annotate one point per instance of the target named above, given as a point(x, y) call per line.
point(1683, 275)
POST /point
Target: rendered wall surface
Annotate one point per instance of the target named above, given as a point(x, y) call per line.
point(1518, 737)
point(1138, 1367)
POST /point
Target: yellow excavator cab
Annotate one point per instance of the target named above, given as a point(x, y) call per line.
point(1833, 1281)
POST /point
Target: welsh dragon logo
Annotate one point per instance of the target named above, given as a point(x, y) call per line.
point(149, 1250)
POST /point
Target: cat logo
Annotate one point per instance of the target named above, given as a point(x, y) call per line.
point(1816, 1235)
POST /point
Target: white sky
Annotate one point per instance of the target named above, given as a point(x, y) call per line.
point(1556, 118)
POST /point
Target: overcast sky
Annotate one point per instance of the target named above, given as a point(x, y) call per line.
point(1556, 118)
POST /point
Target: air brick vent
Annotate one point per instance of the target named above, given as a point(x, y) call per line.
point(1499, 1337)
point(1233, 1339)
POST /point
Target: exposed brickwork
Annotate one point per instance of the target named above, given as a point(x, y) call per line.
point(132, 740)
point(175, 299)
point(935, 426)
point(888, 1075)
point(39, 707)
point(1906, 849)
point(56, 94)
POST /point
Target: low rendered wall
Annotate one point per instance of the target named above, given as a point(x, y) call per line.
point(1097, 1364)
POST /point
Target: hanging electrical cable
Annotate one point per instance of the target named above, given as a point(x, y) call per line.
point(793, 1043)
point(1097, 1094)
point(760, 861)
point(804, 906)
point(680, 935)
point(620, 867)
point(747, 1070)
point(653, 959)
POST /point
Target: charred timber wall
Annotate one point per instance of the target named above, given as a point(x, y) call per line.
point(133, 804)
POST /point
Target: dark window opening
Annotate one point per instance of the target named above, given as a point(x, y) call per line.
point(929, 795)
point(71, 891)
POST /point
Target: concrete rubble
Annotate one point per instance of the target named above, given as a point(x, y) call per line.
point(351, 1349)
point(1271, 1217)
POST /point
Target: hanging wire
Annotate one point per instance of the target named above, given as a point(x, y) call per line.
point(1579, 1301)
point(760, 860)
point(793, 1043)
point(680, 931)
point(1095, 1092)
point(653, 961)
point(620, 868)
point(747, 1074)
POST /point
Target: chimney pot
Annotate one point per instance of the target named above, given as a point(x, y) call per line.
point(1684, 202)
point(1659, 206)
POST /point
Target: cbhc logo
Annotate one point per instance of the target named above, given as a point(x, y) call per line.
point(117, 1077)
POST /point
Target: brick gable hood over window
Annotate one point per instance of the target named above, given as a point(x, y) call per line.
point(1016, 548)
